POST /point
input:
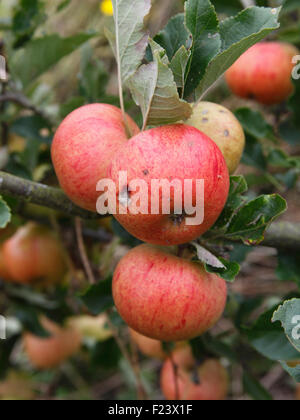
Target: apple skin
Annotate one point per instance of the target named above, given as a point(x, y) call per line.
point(4, 273)
point(264, 73)
point(83, 147)
point(147, 346)
point(172, 152)
point(213, 378)
point(34, 256)
point(165, 297)
point(50, 352)
point(222, 126)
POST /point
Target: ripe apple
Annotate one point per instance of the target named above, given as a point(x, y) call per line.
point(177, 381)
point(151, 348)
point(147, 346)
point(174, 153)
point(264, 73)
point(165, 297)
point(33, 255)
point(84, 146)
point(221, 125)
point(50, 352)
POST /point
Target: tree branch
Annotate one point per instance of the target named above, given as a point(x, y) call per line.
point(283, 235)
point(20, 99)
point(43, 195)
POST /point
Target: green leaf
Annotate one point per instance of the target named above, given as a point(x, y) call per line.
point(254, 388)
point(29, 318)
point(202, 22)
point(279, 158)
point(28, 16)
point(5, 213)
point(31, 127)
point(98, 297)
point(228, 7)
point(63, 5)
point(154, 90)
point(238, 34)
point(40, 54)
point(238, 186)
point(254, 123)
point(106, 354)
point(93, 77)
point(269, 339)
point(252, 220)
point(128, 38)
point(253, 154)
point(289, 316)
point(178, 65)
point(174, 36)
point(228, 273)
point(288, 266)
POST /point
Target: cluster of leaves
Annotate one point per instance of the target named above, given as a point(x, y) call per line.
point(186, 58)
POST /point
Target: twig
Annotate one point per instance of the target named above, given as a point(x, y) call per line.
point(136, 366)
point(140, 387)
point(20, 99)
point(175, 371)
point(82, 251)
point(40, 194)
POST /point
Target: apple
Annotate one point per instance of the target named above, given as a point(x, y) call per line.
point(147, 346)
point(264, 73)
point(178, 373)
point(50, 352)
point(34, 256)
point(165, 297)
point(173, 153)
point(84, 146)
point(221, 125)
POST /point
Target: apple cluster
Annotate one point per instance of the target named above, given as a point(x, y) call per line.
point(159, 294)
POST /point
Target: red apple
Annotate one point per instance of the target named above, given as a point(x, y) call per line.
point(165, 297)
point(50, 352)
point(84, 146)
point(222, 126)
point(264, 73)
point(177, 381)
point(34, 256)
point(173, 153)
point(148, 346)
